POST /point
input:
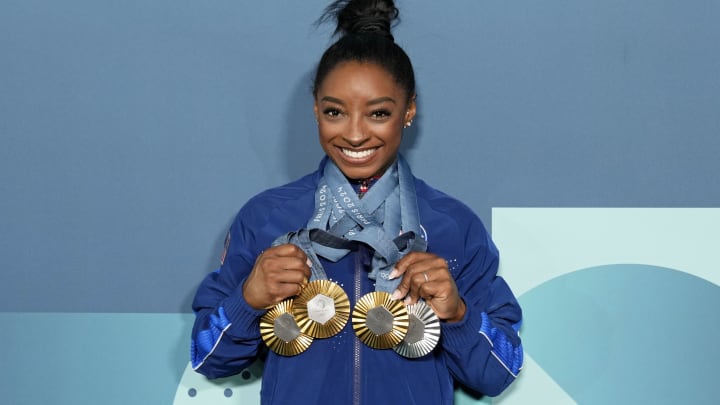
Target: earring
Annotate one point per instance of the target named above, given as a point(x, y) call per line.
point(408, 124)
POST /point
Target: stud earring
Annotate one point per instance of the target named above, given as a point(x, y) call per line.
point(408, 124)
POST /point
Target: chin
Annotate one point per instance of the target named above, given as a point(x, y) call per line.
point(357, 174)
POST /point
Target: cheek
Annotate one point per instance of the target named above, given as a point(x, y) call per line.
point(391, 134)
point(328, 135)
point(325, 132)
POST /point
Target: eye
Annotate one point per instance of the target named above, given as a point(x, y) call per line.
point(331, 112)
point(380, 114)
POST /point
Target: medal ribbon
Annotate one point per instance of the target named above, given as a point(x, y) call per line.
point(386, 219)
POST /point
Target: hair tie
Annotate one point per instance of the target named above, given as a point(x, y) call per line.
point(371, 25)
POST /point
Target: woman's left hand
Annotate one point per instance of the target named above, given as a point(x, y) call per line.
point(426, 276)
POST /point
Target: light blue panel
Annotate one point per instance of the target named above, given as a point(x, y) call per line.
point(109, 359)
point(626, 334)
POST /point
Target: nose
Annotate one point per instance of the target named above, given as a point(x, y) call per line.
point(356, 133)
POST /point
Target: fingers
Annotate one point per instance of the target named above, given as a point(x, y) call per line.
point(426, 276)
point(423, 274)
point(279, 272)
point(285, 260)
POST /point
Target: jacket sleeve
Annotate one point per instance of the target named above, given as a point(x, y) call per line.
point(226, 333)
point(483, 350)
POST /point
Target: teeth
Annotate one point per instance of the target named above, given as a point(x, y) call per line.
point(358, 154)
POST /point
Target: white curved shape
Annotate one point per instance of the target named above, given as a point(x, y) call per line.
point(196, 389)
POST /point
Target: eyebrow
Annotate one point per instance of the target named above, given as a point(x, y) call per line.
point(374, 101)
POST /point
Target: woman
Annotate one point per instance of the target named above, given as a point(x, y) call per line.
point(363, 223)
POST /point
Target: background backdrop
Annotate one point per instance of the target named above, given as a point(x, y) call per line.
point(131, 132)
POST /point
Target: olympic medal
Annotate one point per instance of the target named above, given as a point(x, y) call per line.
point(423, 333)
point(322, 309)
point(280, 331)
point(379, 321)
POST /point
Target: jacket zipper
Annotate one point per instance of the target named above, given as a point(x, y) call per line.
point(356, 342)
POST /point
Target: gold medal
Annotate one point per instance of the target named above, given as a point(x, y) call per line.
point(321, 309)
point(280, 331)
point(379, 321)
point(423, 333)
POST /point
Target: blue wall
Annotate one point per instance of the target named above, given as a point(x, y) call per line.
point(132, 131)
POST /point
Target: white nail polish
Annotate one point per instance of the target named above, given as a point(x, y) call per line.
point(396, 295)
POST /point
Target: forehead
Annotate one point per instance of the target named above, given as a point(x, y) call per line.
point(360, 78)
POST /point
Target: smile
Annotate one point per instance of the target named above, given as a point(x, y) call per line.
point(359, 154)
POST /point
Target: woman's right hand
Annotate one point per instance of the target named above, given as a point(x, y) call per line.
point(279, 272)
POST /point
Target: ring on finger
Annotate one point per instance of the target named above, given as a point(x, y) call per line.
point(426, 276)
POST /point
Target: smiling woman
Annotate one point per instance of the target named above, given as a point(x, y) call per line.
point(361, 235)
point(361, 112)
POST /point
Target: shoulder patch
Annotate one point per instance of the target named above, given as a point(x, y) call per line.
point(225, 249)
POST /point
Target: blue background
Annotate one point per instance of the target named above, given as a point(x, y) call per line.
point(131, 132)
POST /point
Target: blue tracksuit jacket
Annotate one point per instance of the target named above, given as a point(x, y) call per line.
point(482, 352)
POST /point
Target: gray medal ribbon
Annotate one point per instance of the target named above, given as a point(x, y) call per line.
point(386, 219)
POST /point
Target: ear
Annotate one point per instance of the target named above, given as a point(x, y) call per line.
point(316, 111)
point(411, 110)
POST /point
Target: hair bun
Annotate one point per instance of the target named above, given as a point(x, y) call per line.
point(365, 26)
point(362, 16)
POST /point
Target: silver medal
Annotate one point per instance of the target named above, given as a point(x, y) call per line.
point(423, 331)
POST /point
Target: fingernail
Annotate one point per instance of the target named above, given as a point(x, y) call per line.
point(408, 300)
point(394, 273)
point(396, 295)
point(309, 263)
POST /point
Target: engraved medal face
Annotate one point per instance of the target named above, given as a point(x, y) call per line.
point(379, 321)
point(423, 333)
point(280, 331)
point(322, 309)
point(285, 328)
